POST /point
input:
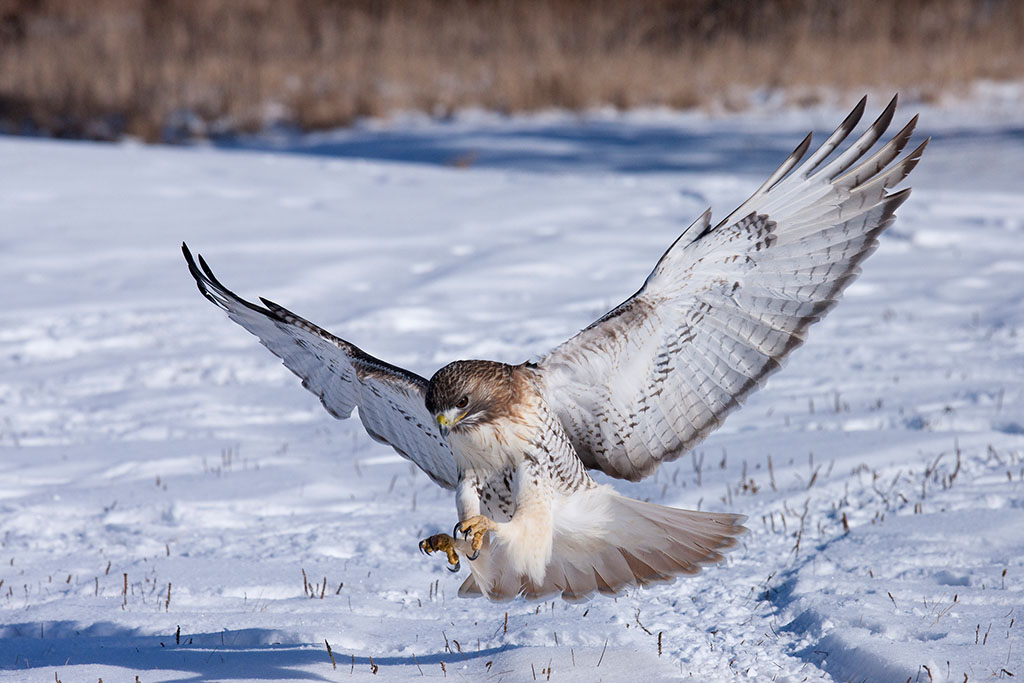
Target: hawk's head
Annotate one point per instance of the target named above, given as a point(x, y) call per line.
point(467, 393)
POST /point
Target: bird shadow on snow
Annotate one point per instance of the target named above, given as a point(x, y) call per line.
point(241, 654)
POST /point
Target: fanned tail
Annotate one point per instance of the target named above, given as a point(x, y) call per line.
point(608, 543)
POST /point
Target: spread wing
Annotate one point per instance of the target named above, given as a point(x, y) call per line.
point(390, 399)
point(726, 304)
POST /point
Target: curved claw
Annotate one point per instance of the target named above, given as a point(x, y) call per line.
point(454, 569)
point(476, 554)
point(457, 529)
point(423, 547)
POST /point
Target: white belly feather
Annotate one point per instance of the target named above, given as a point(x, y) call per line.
point(524, 475)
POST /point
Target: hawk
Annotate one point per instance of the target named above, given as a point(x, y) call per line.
point(723, 307)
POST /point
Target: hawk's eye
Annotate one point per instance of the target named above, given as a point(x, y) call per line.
point(463, 402)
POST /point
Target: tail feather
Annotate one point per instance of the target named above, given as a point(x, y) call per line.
point(635, 544)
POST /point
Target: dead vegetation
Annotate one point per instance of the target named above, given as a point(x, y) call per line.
point(161, 70)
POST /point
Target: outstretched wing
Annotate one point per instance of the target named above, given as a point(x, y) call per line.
point(390, 399)
point(726, 304)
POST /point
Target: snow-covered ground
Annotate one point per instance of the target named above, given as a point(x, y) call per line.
point(174, 506)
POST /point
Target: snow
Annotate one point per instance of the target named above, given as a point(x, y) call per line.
point(143, 435)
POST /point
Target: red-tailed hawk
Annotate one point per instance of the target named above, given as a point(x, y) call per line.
point(644, 384)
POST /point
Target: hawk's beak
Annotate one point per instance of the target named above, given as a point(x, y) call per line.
point(444, 424)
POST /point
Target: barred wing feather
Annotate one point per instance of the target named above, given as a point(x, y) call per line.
point(725, 305)
point(390, 399)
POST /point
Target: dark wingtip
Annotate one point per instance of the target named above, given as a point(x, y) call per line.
point(201, 280)
point(794, 158)
point(211, 278)
point(804, 145)
point(274, 308)
point(888, 112)
point(855, 114)
point(914, 158)
point(896, 199)
point(206, 268)
point(188, 255)
point(212, 288)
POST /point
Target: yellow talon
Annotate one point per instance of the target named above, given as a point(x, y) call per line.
point(475, 527)
point(444, 543)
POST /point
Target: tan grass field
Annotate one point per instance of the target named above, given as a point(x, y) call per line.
point(105, 68)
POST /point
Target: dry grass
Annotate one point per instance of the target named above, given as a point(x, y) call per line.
point(163, 70)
